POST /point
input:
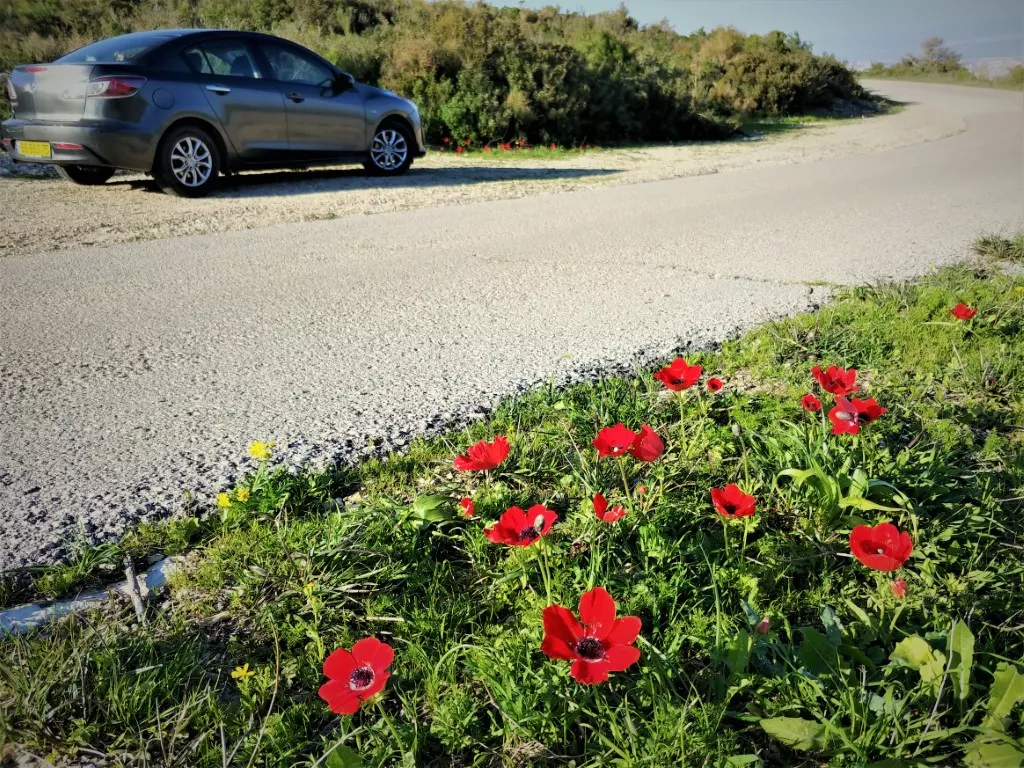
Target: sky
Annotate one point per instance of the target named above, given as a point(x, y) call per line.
point(858, 31)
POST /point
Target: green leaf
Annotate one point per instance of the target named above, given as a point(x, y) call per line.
point(914, 652)
point(431, 509)
point(796, 732)
point(738, 654)
point(1007, 691)
point(961, 657)
point(859, 502)
point(833, 627)
point(818, 654)
point(343, 757)
point(738, 760)
point(982, 754)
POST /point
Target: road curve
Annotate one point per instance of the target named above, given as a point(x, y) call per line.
point(132, 374)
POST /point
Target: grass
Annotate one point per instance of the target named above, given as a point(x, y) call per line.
point(847, 674)
point(999, 248)
point(1007, 83)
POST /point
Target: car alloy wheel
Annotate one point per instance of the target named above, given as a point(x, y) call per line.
point(389, 149)
point(191, 161)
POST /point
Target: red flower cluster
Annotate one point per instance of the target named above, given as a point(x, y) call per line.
point(848, 415)
point(963, 312)
point(732, 502)
point(506, 147)
point(483, 455)
point(836, 380)
point(883, 548)
point(521, 529)
point(596, 644)
point(604, 514)
point(353, 677)
point(679, 375)
point(618, 440)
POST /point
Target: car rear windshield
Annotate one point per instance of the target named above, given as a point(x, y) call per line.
point(116, 49)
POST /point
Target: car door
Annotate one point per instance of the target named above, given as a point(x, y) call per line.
point(249, 107)
point(324, 121)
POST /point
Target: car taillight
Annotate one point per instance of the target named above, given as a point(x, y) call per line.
point(113, 87)
point(35, 69)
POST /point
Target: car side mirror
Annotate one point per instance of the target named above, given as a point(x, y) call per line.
point(344, 82)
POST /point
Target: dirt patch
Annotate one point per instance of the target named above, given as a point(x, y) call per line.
point(44, 214)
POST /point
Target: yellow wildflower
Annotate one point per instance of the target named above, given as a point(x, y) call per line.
point(242, 494)
point(260, 450)
point(310, 586)
point(243, 672)
point(223, 500)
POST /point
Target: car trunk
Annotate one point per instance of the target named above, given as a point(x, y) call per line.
point(50, 92)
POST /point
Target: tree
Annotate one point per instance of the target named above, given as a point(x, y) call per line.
point(938, 57)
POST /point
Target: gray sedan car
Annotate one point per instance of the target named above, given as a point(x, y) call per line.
point(187, 105)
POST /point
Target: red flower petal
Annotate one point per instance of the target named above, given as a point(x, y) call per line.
point(624, 631)
point(899, 588)
point(561, 625)
point(339, 665)
point(372, 652)
point(597, 612)
point(379, 680)
point(679, 375)
point(810, 402)
point(714, 385)
point(620, 657)
point(589, 672)
point(963, 312)
point(614, 441)
point(483, 455)
point(339, 697)
point(468, 508)
point(882, 548)
point(732, 502)
point(836, 380)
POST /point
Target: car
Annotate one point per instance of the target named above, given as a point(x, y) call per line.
point(186, 105)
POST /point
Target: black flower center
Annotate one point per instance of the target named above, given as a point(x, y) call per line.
point(529, 534)
point(589, 649)
point(678, 381)
point(361, 678)
point(730, 508)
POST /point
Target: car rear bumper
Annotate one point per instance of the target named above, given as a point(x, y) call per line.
point(105, 143)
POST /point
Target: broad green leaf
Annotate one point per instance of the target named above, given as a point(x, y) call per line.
point(738, 654)
point(431, 509)
point(961, 656)
point(914, 652)
point(738, 760)
point(982, 754)
point(859, 502)
point(818, 654)
point(1007, 690)
point(796, 732)
point(833, 627)
point(343, 757)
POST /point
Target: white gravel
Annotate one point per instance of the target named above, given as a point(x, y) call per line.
point(134, 373)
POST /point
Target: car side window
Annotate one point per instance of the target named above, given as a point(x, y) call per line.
point(223, 57)
point(288, 65)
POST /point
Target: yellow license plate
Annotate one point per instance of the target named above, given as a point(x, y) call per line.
point(34, 148)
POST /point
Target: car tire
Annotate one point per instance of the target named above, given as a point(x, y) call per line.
point(390, 150)
point(86, 175)
point(187, 162)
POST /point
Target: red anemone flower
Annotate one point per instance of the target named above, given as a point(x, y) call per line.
point(459, 150)
point(678, 375)
point(520, 529)
point(446, 140)
point(883, 547)
point(354, 677)
point(553, 146)
point(468, 508)
point(963, 312)
point(847, 415)
point(614, 441)
point(483, 455)
point(604, 514)
point(732, 502)
point(899, 589)
point(647, 446)
point(596, 644)
point(487, 149)
point(764, 625)
point(810, 402)
point(715, 385)
point(836, 380)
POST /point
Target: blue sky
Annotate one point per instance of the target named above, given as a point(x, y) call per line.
point(854, 30)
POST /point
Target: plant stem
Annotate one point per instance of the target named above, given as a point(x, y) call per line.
point(625, 482)
point(746, 530)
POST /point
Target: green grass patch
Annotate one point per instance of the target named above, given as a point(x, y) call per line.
point(847, 674)
point(999, 248)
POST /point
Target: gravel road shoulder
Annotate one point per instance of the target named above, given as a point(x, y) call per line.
point(49, 214)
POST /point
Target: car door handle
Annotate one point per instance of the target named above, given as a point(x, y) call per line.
point(221, 89)
point(296, 97)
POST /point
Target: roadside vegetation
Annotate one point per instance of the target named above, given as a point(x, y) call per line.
point(938, 63)
point(491, 74)
point(809, 564)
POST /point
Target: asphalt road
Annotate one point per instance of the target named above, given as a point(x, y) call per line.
point(134, 373)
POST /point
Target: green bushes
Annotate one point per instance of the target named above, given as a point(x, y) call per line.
point(484, 74)
point(940, 64)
